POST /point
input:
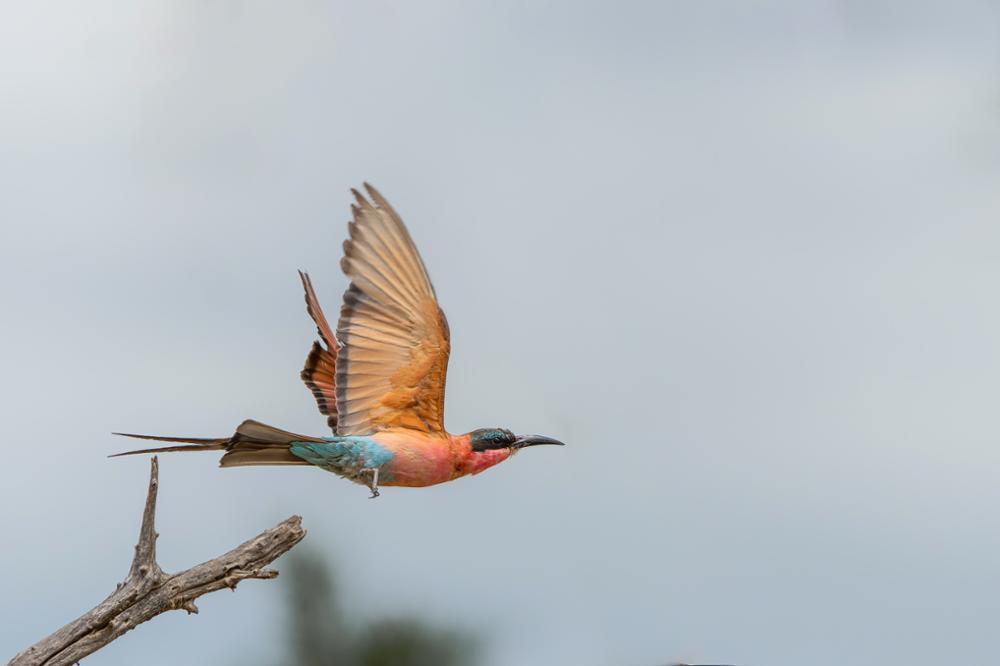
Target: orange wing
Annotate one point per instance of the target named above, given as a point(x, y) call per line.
point(320, 371)
point(395, 345)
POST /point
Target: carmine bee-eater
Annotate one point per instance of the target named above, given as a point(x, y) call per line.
point(379, 380)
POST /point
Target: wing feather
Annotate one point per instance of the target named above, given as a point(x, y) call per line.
point(392, 366)
point(320, 370)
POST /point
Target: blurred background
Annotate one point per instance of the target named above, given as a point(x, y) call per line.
point(742, 257)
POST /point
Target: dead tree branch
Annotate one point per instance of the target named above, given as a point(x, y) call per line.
point(147, 591)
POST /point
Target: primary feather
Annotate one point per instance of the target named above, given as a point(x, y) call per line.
point(391, 368)
point(320, 371)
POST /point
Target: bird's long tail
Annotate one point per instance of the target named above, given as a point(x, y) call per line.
point(253, 443)
point(193, 444)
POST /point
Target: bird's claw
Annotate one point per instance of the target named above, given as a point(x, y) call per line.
point(373, 484)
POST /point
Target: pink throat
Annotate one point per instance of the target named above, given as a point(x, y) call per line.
point(477, 462)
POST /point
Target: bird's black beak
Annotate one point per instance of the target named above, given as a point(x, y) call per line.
point(535, 440)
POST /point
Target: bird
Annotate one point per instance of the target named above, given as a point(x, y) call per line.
point(379, 378)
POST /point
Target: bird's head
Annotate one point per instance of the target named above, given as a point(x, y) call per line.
point(489, 446)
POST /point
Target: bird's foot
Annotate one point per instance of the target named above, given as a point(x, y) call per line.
point(373, 484)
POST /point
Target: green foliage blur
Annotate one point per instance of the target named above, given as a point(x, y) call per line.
point(319, 633)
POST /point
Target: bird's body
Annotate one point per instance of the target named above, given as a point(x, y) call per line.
point(403, 457)
point(379, 379)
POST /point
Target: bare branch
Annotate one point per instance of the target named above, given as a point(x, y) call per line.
point(148, 591)
point(144, 560)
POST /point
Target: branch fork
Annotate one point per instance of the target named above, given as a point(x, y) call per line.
point(148, 591)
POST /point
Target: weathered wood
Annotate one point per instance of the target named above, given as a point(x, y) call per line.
point(148, 591)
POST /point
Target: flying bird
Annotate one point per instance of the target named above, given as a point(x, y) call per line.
point(379, 379)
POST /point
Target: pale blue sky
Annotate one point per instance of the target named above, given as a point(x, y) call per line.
point(742, 257)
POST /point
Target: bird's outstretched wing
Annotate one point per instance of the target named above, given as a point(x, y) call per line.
point(320, 371)
point(395, 344)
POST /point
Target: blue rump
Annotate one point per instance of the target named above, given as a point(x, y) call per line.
point(343, 455)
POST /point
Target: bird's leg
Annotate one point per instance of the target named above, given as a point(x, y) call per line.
point(373, 484)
